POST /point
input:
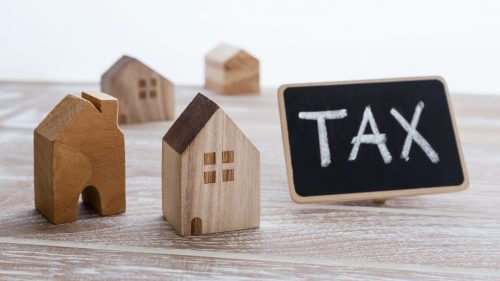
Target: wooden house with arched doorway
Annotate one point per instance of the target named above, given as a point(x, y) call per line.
point(79, 149)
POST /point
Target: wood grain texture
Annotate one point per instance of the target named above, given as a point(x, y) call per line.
point(207, 189)
point(17, 263)
point(189, 124)
point(441, 236)
point(144, 94)
point(230, 70)
point(79, 149)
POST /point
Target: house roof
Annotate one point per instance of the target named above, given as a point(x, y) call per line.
point(69, 108)
point(64, 112)
point(224, 52)
point(120, 64)
point(190, 123)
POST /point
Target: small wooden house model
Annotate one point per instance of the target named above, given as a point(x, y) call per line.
point(79, 149)
point(210, 173)
point(230, 71)
point(144, 94)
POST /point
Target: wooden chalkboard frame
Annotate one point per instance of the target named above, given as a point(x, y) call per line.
point(376, 195)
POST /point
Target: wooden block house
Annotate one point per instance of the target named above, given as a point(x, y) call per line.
point(210, 172)
point(79, 149)
point(231, 71)
point(144, 94)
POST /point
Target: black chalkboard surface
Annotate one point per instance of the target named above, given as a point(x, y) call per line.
point(370, 139)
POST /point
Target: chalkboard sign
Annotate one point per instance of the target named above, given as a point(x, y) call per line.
point(370, 139)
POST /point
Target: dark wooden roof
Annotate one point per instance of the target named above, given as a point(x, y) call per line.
point(190, 123)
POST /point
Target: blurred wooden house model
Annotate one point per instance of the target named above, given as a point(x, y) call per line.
point(79, 149)
point(144, 94)
point(230, 71)
point(210, 173)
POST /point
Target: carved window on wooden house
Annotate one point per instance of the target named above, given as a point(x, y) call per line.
point(210, 159)
point(142, 89)
point(152, 90)
point(148, 89)
point(227, 158)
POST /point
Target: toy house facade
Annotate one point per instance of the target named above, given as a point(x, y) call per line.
point(231, 71)
point(79, 149)
point(210, 173)
point(144, 94)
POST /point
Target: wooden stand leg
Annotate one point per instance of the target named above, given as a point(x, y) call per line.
point(380, 201)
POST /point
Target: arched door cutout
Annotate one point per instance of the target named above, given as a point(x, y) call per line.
point(196, 226)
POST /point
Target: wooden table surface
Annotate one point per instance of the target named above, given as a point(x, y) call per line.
point(450, 236)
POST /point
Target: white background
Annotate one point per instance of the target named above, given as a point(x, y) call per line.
point(296, 41)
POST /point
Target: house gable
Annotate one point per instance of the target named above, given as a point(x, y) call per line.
point(221, 54)
point(241, 61)
point(117, 67)
point(70, 109)
point(125, 62)
point(61, 116)
point(230, 57)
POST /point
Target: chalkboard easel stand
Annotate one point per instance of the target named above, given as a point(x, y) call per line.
point(380, 201)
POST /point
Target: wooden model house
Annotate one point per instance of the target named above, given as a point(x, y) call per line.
point(231, 71)
point(79, 149)
point(210, 174)
point(144, 94)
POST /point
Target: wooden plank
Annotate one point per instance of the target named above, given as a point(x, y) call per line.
point(285, 230)
point(30, 262)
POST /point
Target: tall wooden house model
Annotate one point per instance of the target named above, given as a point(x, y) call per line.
point(210, 172)
point(144, 94)
point(79, 149)
point(231, 71)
